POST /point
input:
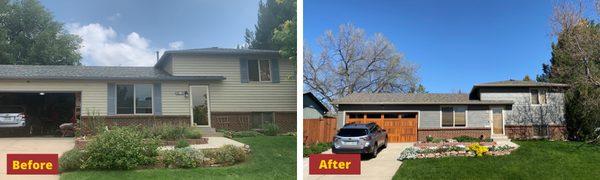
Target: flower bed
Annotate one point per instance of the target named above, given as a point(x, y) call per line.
point(444, 149)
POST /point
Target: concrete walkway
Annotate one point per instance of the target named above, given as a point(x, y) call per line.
point(30, 145)
point(382, 167)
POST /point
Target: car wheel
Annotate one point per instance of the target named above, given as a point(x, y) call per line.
point(375, 151)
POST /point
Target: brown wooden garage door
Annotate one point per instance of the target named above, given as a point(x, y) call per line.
point(401, 127)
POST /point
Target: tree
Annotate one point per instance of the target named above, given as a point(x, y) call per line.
point(576, 61)
point(350, 62)
point(29, 35)
point(526, 78)
point(272, 14)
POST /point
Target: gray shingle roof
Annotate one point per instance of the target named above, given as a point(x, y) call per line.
point(518, 83)
point(396, 98)
point(219, 51)
point(30, 72)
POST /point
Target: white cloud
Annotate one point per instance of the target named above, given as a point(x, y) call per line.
point(102, 47)
point(176, 45)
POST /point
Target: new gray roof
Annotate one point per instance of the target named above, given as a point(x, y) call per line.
point(518, 83)
point(34, 72)
point(219, 51)
point(397, 98)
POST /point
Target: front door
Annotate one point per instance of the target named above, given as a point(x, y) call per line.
point(497, 118)
point(200, 109)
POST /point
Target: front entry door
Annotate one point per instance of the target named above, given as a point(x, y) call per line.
point(497, 118)
point(200, 109)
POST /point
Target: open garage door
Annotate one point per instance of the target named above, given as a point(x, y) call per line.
point(401, 127)
point(36, 114)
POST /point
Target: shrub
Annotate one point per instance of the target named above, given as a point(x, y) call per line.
point(192, 133)
point(429, 138)
point(171, 133)
point(478, 149)
point(182, 143)
point(71, 160)
point(271, 129)
point(315, 148)
point(408, 153)
point(456, 148)
point(182, 158)
point(227, 155)
point(120, 148)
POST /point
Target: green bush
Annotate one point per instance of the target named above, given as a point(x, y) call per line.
point(120, 148)
point(192, 133)
point(71, 160)
point(182, 143)
point(429, 138)
point(317, 148)
point(227, 155)
point(471, 139)
point(169, 133)
point(182, 158)
point(271, 129)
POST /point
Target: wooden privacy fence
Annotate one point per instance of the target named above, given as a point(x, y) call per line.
point(319, 130)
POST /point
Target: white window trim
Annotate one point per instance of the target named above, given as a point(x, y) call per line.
point(134, 97)
point(454, 117)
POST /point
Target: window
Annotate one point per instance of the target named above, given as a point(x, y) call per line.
point(535, 97)
point(454, 117)
point(259, 70)
point(447, 117)
point(259, 119)
point(141, 104)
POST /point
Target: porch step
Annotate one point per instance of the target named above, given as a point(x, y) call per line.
point(500, 137)
point(210, 132)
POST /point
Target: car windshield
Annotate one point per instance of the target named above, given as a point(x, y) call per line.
point(11, 110)
point(352, 132)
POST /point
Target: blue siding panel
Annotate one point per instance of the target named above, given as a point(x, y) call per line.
point(275, 70)
point(157, 102)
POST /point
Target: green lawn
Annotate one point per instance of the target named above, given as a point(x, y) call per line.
point(272, 158)
point(533, 160)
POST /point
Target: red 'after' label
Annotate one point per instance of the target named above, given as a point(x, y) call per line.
point(334, 164)
point(32, 164)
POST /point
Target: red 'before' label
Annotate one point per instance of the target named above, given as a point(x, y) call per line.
point(334, 164)
point(32, 164)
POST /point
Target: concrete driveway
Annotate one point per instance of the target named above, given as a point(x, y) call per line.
point(382, 167)
point(30, 145)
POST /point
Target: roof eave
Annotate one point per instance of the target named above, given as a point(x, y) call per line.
point(422, 103)
point(187, 78)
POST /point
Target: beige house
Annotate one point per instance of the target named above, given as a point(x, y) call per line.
point(237, 89)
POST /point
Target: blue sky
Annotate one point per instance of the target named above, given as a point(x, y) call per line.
point(455, 43)
point(129, 32)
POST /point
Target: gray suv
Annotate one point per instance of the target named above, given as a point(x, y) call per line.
point(360, 138)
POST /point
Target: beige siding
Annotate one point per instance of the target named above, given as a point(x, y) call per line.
point(174, 104)
point(93, 94)
point(231, 95)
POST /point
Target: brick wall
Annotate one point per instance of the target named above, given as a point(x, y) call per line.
point(240, 121)
point(122, 120)
point(447, 133)
point(556, 132)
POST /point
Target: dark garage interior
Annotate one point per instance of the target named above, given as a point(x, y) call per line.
point(43, 112)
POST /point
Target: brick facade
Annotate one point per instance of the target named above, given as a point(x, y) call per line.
point(240, 121)
point(452, 132)
point(555, 132)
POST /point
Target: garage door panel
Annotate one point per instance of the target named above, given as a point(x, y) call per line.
point(399, 129)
